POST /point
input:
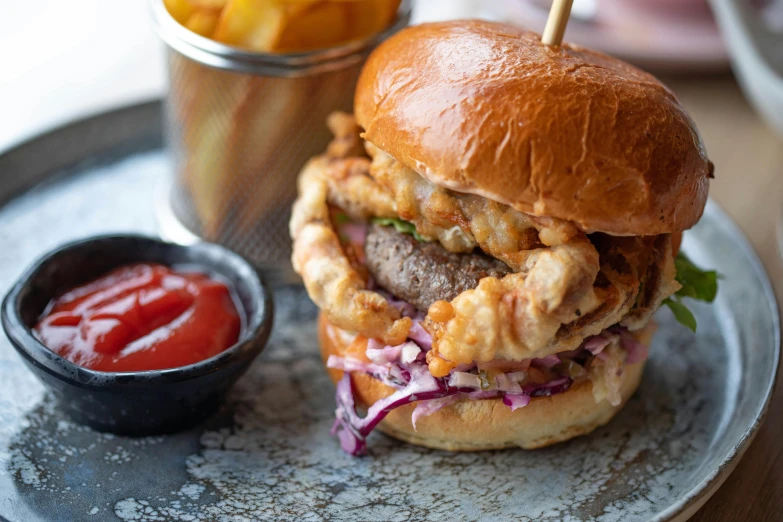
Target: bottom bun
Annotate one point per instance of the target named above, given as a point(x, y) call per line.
point(488, 424)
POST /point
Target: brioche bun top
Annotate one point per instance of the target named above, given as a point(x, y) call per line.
point(487, 109)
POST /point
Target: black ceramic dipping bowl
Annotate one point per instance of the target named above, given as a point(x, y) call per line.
point(142, 402)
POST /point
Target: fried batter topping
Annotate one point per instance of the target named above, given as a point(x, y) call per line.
point(332, 283)
point(565, 285)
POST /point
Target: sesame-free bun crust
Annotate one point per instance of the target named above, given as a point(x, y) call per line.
point(474, 425)
point(487, 109)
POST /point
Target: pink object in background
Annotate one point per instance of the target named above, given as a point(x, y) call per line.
point(676, 7)
point(659, 35)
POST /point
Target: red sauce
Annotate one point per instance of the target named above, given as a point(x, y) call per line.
point(141, 317)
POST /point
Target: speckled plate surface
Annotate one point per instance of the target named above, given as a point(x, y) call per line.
point(268, 454)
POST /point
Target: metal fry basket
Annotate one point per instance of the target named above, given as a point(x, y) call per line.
point(239, 126)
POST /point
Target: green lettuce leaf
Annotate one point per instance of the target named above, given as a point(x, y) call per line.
point(698, 284)
point(341, 218)
point(400, 225)
point(681, 313)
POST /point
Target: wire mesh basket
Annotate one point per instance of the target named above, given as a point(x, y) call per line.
point(239, 126)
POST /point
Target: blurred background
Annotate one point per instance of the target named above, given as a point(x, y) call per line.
point(63, 60)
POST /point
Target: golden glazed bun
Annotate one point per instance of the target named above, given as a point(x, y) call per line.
point(488, 424)
point(487, 109)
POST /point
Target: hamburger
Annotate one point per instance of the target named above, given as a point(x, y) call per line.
point(489, 235)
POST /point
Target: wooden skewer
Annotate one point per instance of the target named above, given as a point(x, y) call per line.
point(556, 22)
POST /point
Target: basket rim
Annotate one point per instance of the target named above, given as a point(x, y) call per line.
point(216, 54)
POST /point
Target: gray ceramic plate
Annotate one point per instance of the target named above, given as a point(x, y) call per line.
point(268, 455)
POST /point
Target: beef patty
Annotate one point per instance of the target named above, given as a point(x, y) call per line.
point(422, 273)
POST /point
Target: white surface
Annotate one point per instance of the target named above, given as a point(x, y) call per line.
point(65, 59)
point(61, 60)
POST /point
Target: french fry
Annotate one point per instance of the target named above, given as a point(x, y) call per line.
point(203, 120)
point(284, 25)
point(369, 17)
point(291, 145)
point(319, 25)
point(255, 24)
point(212, 5)
point(266, 137)
point(203, 22)
point(180, 10)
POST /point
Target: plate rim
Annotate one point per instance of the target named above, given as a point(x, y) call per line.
point(147, 116)
point(699, 494)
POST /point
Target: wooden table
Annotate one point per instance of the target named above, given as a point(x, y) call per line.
point(748, 183)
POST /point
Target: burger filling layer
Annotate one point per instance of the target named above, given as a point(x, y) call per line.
point(600, 359)
point(458, 297)
point(548, 286)
point(423, 273)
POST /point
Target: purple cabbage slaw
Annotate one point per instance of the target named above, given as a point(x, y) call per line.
point(421, 386)
point(414, 383)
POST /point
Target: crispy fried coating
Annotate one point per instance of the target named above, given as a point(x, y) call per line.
point(333, 284)
point(565, 286)
point(518, 316)
point(462, 222)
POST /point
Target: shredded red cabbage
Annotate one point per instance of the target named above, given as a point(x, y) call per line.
point(352, 430)
point(351, 441)
point(423, 387)
point(548, 361)
point(399, 374)
point(425, 408)
point(406, 309)
point(384, 355)
point(404, 367)
point(549, 388)
point(421, 336)
point(637, 352)
point(464, 380)
point(392, 375)
point(352, 365)
point(507, 383)
point(479, 395)
point(516, 400)
point(596, 343)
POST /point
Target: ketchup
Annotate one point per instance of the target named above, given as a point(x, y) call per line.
point(141, 317)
